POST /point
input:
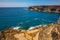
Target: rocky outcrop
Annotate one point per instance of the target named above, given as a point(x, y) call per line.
point(45, 32)
point(50, 32)
point(8, 34)
point(50, 8)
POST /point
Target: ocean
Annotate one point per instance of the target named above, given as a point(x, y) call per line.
point(24, 18)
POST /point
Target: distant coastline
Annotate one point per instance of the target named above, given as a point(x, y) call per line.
point(50, 8)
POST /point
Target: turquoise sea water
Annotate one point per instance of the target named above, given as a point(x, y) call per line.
point(25, 18)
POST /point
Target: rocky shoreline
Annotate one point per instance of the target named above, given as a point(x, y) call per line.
point(51, 8)
point(46, 32)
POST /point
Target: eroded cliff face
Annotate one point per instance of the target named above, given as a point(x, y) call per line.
point(50, 8)
point(48, 32)
point(8, 34)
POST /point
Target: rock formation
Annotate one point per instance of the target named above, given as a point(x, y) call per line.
point(50, 8)
point(48, 32)
point(8, 34)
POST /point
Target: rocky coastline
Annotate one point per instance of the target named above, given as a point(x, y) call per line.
point(51, 8)
point(45, 32)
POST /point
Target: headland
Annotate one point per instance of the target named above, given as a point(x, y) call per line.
point(49, 8)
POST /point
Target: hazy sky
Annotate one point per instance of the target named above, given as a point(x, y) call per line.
point(24, 3)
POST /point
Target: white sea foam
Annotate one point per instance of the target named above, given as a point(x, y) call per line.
point(40, 25)
point(16, 28)
point(34, 27)
point(37, 26)
point(31, 28)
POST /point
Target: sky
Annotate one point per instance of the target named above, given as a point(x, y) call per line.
point(26, 3)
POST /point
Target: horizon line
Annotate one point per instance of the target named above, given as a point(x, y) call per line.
point(30, 5)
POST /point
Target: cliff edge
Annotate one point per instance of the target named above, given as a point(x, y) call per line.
point(45, 32)
point(51, 8)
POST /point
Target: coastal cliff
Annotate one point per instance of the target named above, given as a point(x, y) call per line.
point(50, 8)
point(44, 32)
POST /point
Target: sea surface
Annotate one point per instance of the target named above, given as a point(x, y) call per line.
point(24, 18)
